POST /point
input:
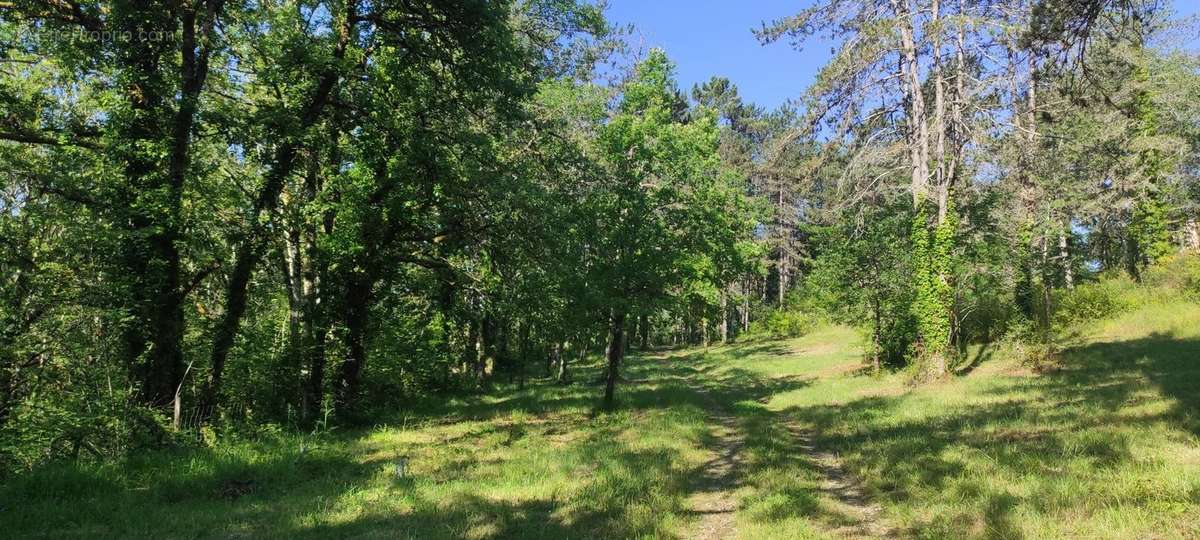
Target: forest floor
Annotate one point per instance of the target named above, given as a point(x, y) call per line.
point(786, 439)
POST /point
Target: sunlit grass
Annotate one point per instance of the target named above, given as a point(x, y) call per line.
point(1104, 447)
point(539, 463)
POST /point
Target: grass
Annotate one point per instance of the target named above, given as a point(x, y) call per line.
point(538, 464)
point(1105, 447)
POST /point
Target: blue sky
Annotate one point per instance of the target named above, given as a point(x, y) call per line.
point(713, 37)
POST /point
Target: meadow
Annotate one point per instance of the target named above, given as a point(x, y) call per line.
point(559, 269)
point(766, 439)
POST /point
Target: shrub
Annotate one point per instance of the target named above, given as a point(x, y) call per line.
point(1031, 347)
point(985, 312)
point(780, 324)
point(1092, 301)
point(1179, 274)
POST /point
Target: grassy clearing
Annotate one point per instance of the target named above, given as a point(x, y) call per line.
point(538, 464)
point(1107, 446)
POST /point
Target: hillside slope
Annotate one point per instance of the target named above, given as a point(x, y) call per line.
point(1105, 446)
point(778, 439)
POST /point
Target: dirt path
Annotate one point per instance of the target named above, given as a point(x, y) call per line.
point(844, 491)
point(714, 493)
point(715, 501)
point(713, 496)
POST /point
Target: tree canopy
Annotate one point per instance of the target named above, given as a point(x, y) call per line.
point(222, 213)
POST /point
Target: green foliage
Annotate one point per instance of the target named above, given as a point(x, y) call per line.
point(306, 207)
point(862, 277)
point(1092, 301)
point(297, 215)
point(548, 466)
point(932, 282)
point(1148, 228)
point(782, 324)
point(1028, 344)
point(514, 446)
point(1175, 275)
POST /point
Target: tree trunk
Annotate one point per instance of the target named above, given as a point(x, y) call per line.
point(781, 265)
point(615, 339)
point(564, 376)
point(167, 325)
point(608, 345)
point(357, 319)
point(941, 175)
point(745, 314)
point(153, 339)
point(503, 356)
point(1065, 258)
point(1133, 257)
point(470, 359)
point(555, 358)
point(314, 354)
point(1192, 229)
point(918, 131)
point(315, 324)
point(249, 246)
point(487, 341)
point(299, 328)
point(1047, 283)
point(876, 333)
point(522, 353)
point(783, 281)
point(724, 318)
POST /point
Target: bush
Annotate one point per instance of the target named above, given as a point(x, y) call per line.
point(781, 324)
point(1092, 301)
point(1031, 347)
point(1179, 274)
point(986, 312)
point(1175, 276)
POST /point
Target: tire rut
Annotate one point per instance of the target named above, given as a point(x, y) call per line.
point(713, 497)
point(844, 489)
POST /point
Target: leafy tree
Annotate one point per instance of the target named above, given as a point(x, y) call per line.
point(663, 215)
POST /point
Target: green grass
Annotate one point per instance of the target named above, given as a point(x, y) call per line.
point(539, 463)
point(1104, 447)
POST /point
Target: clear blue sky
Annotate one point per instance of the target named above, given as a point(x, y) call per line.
point(712, 37)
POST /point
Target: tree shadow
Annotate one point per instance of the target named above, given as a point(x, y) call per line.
point(757, 348)
point(612, 500)
point(621, 488)
point(605, 508)
point(985, 353)
point(1046, 426)
point(1043, 426)
point(1114, 372)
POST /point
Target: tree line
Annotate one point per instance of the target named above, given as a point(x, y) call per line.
point(224, 213)
point(229, 213)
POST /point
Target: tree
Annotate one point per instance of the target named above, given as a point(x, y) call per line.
point(663, 214)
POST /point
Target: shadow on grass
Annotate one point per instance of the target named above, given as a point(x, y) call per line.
point(985, 353)
point(1030, 428)
point(622, 491)
point(607, 505)
point(1169, 363)
point(757, 348)
point(1053, 434)
point(273, 487)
